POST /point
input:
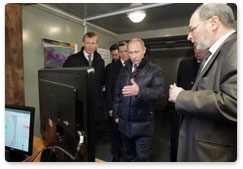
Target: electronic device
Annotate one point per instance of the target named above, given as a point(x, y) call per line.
point(19, 130)
point(66, 98)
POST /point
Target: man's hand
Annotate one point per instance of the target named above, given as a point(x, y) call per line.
point(110, 113)
point(116, 120)
point(131, 90)
point(174, 91)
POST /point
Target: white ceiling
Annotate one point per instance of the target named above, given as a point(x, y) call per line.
point(113, 16)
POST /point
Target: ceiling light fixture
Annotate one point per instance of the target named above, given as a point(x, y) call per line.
point(136, 16)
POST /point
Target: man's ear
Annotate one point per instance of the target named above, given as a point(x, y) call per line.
point(144, 50)
point(215, 22)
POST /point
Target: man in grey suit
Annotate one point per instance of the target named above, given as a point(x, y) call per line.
point(208, 128)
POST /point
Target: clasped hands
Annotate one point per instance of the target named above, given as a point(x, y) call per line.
point(174, 91)
point(131, 90)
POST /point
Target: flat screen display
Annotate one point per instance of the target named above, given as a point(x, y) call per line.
point(19, 126)
point(67, 102)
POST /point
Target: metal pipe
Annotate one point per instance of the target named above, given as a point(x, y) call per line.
point(126, 11)
point(63, 13)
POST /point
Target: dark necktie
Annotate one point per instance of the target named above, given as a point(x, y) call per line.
point(90, 61)
point(203, 63)
point(134, 69)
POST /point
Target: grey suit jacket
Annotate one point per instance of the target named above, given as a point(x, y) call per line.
point(208, 129)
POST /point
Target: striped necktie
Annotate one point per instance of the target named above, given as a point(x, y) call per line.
point(134, 69)
point(90, 61)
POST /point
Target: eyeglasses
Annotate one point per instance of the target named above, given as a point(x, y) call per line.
point(192, 28)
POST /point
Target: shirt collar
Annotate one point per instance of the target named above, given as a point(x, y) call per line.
point(86, 55)
point(123, 62)
point(217, 44)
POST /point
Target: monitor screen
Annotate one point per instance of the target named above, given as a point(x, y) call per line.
point(58, 102)
point(66, 110)
point(19, 127)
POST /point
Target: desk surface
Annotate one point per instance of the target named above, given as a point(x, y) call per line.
point(38, 145)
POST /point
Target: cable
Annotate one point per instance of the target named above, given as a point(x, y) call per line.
point(80, 143)
point(34, 155)
point(60, 148)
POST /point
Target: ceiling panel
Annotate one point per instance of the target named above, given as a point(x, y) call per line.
point(87, 10)
point(156, 18)
point(113, 16)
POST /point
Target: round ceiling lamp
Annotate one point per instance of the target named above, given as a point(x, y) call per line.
point(136, 16)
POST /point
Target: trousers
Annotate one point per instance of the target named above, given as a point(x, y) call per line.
point(137, 149)
point(116, 142)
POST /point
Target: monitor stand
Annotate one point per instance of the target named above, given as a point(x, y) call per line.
point(14, 156)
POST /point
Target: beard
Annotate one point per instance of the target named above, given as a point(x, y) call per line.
point(205, 43)
point(202, 46)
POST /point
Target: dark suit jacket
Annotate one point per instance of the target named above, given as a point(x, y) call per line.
point(112, 72)
point(208, 129)
point(187, 72)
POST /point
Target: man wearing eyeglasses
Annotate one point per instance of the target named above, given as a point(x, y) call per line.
point(208, 128)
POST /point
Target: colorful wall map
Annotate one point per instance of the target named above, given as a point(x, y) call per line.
point(56, 52)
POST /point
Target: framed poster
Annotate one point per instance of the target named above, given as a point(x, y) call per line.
point(105, 54)
point(56, 52)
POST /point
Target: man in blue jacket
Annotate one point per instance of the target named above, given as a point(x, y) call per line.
point(139, 84)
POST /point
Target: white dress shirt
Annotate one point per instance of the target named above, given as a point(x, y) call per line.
point(217, 44)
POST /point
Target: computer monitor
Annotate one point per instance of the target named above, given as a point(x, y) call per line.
point(19, 130)
point(67, 110)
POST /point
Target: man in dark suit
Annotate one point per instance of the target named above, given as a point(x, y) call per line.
point(188, 68)
point(186, 76)
point(208, 127)
point(111, 78)
point(114, 57)
point(88, 56)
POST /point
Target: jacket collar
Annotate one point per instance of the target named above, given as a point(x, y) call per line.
point(232, 36)
point(129, 63)
point(96, 55)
